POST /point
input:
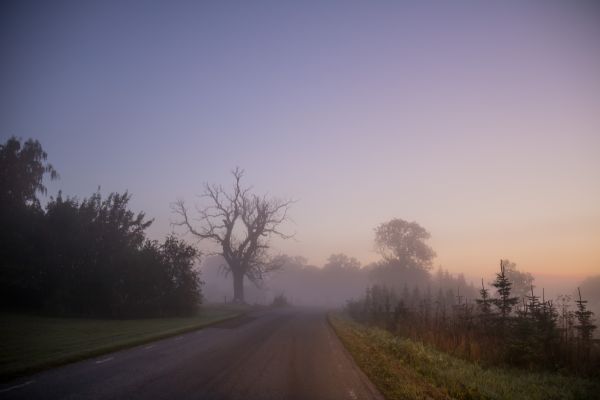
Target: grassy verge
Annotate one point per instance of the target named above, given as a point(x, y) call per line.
point(404, 369)
point(31, 343)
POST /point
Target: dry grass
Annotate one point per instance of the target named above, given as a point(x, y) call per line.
point(405, 369)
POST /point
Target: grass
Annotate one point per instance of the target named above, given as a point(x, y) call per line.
point(30, 343)
point(404, 369)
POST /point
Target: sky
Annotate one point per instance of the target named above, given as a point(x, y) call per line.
point(478, 120)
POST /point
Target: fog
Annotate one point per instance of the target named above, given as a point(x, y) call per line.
point(343, 279)
point(287, 174)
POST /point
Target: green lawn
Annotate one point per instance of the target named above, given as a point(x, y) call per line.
point(30, 343)
point(404, 369)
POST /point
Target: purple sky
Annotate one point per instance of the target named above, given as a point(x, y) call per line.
point(479, 121)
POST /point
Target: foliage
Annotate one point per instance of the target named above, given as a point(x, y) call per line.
point(22, 169)
point(491, 330)
point(403, 368)
point(394, 273)
point(521, 281)
point(404, 242)
point(339, 263)
point(88, 257)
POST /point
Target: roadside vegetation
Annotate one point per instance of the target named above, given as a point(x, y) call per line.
point(495, 329)
point(29, 343)
point(84, 258)
point(403, 368)
point(79, 277)
point(506, 341)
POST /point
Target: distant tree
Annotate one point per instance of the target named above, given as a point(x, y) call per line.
point(240, 223)
point(341, 279)
point(522, 282)
point(341, 262)
point(445, 280)
point(404, 242)
point(537, 335)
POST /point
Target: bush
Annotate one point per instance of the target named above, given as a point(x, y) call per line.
point(280, 301)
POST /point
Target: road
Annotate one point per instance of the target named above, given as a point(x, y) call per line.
point(270, 354)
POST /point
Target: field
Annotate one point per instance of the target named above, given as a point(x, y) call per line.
point(405, 369)
point(30, 343)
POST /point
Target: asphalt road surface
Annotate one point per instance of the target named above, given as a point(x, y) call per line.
point(273, 354)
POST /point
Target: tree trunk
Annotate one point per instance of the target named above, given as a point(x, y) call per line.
point(238, 287)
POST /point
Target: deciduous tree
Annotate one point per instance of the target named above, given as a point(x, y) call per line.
point(404, 242)
point(241, 224)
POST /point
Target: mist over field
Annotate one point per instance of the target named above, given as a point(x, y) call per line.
point(299, 200)
point(309, 285)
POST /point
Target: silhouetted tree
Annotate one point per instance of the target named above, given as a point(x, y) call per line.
point(484, 305)
point(241, 223)
point(505, 301)
point(87, 257)
point(526, 336)
point(93, 247)
point(22, 170)
point(585, 325)
point(396, 274)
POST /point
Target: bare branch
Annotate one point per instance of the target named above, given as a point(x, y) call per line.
point(240, 222)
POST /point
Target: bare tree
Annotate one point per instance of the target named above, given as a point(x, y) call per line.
point(241, 223)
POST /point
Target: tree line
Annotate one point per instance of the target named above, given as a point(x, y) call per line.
point(88, 257)
point(343, 277)
point(496, 328)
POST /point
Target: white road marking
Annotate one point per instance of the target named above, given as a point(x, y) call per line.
point(16, 386)
point(149, 347)
point(104, 360)
point(352, 394)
